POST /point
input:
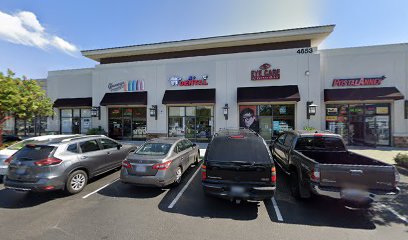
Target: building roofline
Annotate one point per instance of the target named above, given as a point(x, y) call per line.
point(316, 34)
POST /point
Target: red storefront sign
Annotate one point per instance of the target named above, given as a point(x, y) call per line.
point(352, 82)
point(191, 81)
point(265, 73)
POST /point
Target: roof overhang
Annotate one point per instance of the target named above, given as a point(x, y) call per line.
point(315, 34)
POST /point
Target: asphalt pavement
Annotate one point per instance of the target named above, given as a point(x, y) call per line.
point(108, 209)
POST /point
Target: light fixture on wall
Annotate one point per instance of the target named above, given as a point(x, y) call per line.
point(153, 111)
point(307, 72)
point(225, 110)
point(311, 109)
point(96, 112)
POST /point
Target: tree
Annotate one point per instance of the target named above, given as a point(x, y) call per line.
point(23, 99)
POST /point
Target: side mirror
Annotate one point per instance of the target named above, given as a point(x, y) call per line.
point(194, 144)
point(119, 146)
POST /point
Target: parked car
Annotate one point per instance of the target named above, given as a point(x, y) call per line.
point(64, 163)
point(7, 152)
point(10, 138)
point(238, 166)
point(319, 163)
point(159, 162)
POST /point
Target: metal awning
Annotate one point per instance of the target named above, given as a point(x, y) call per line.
point(362, 94)
point(289, 93)
point(124, 98)
point(73, 102)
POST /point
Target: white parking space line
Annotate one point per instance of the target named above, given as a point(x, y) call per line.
point(394, 212)
point(97, 190)
point(184, 188)
point(278, 213)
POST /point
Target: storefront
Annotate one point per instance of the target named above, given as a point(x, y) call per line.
point(74, 115)
point(268, 110)
point(265, 81)
point(126, 114)
point(190, 113)
point(365, 119)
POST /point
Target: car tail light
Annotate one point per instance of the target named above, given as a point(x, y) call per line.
point(318, 135)
point(48, 188)
point(315, 175)
point(48, 162)
point(236, 137)
point(8, 160)
point(273, 174)
point(162, 166)
point(203, 172)
point(126, 164)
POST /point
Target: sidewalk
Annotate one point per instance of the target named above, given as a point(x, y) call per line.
point(385, 154)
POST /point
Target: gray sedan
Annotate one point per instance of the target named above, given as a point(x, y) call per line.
point(159, 162)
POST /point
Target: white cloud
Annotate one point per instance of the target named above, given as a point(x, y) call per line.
point(24, 28)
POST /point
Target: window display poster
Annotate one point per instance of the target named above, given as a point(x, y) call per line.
point(247, 116)
point(276, 126)
point(282, 110)
point(381, 110)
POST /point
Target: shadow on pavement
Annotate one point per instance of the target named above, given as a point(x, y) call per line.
point(195, 203)
point(12, 199)
point(321, 211)
point(121, 190)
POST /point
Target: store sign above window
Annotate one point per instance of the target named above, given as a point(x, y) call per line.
point(265, 72)
point(127, 86)
point(353, 82)
point(190, 81)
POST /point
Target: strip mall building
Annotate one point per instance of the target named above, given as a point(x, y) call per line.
point(265, 81)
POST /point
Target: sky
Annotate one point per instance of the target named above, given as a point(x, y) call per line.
point(46, 35)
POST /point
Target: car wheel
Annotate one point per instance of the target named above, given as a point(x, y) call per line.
point(294, 184)
point(77, 180)
point(178, 173)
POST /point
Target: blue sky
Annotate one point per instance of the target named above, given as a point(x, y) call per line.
point(38, 36)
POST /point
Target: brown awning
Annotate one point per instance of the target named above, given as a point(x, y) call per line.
point(268, 94)
point(73, 102)
point(189, 96)
point(361, 94)
point(124, 98)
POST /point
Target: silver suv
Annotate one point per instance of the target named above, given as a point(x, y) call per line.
point(64, 163)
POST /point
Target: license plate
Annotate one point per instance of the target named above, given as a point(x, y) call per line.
point(21, 170)
point(140, 169)
point(237, 190)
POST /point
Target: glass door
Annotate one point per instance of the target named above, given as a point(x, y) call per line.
point(190, 128)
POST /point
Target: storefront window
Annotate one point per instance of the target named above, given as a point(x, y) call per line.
point(127, 123)
point(31, 127)
point(195, 122)
point(75, 120)
point(268, 120)
point(360, 124)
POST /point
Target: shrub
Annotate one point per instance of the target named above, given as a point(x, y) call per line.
point(401, 159)
point(307, 128)
point(5, 145)
point(96, 131)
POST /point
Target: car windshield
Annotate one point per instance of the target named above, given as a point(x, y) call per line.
point(20, 145)
point(154, 149)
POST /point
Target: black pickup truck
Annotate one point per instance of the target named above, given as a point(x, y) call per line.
point(319, 163)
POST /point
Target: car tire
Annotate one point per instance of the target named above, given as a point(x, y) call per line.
point(294, 184)
point(179, 174)
point(76, 182)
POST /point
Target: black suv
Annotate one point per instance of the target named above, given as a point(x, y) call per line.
point(238, 166)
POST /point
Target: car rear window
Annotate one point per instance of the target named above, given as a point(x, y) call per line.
point(154, 149)
point(245, 150)
point(320, 143)
point(33, 153)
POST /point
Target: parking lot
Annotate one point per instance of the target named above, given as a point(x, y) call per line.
point(108, 209)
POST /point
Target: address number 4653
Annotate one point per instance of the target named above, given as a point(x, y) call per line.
point(305, 50)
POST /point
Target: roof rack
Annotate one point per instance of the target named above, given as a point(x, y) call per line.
point(231, 131)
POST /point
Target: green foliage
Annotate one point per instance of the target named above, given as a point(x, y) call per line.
point(307, 128)
point(21, 98)
point(401, 159)
point(96, 131)
point(7, 145)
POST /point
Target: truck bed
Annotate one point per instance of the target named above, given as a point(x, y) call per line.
point(343, 157)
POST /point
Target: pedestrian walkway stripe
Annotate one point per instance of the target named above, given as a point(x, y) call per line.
point(184, 188)
point(278, 213)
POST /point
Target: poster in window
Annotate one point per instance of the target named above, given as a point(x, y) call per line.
point(381, 110)
point(248, 119)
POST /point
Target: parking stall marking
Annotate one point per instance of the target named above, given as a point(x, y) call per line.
point(277, 211)
point(97, 190)
point(184, 188)
point(394, 212)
